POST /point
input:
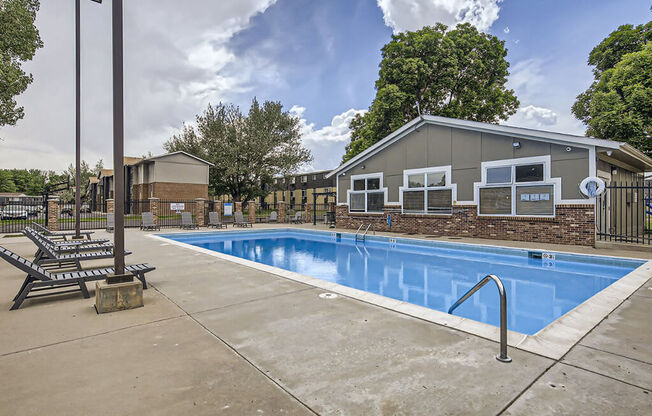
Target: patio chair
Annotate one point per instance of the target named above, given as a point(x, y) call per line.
point(110, 222)
point(39, 279)
point(215, 221)
point(70, 246)
point(59, 235)
point(239, 220)
point(187, 222)
point(47, 256)
point(298, 218)
point(273, 217)
point(148, 222)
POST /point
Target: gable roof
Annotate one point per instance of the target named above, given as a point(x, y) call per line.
point(174, 153)
point(520, 132)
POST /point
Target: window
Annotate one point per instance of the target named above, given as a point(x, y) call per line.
point(517, 189)
point(367, 194)
point(427, 191)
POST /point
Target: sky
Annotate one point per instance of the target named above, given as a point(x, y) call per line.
point(318, 58)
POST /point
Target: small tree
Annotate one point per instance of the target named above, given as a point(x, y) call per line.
point(459, 73)
point(247, 151)
point(618, 104)
point(19, 40)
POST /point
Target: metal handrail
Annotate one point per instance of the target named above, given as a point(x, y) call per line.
point(358, 236)
point(371, 225)
point(502, 357)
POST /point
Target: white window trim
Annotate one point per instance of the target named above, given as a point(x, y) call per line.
point(351, 191)
point(447, 170)
point(547, 180)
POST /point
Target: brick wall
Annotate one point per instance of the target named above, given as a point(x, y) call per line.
point(572, 224)
point(179, 191)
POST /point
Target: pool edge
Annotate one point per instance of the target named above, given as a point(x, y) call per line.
point(552, 341)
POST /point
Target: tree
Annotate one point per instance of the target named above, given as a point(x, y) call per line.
point(248, 151)
point(6, 181)
point(459, 73)
point(618, 104)
point(18, 43)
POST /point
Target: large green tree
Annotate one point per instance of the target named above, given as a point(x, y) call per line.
point(19, 40)
point(618, 104)
point(247, 150)
point(458, 73)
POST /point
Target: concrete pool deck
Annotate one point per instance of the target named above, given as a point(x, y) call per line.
point(216, 337)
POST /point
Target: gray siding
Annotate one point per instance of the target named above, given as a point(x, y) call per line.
point(465, 150)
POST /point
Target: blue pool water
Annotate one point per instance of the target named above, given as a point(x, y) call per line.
point(429, 273)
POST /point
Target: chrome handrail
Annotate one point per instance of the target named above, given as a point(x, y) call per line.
point(502, 357)
point(359, 236)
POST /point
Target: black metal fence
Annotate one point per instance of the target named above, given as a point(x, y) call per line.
point(624, 213)
point(169, 212)
point(16, 215)
point(88, 219)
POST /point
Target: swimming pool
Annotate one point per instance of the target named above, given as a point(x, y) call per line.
point(430, 273)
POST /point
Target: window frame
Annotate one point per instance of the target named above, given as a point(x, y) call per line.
point(513, 163)
point(448, 185)
point(382, 188)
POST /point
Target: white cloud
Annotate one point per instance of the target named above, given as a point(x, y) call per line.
point(402, 15)
point(327, 143)
point(506, 30)
point(526, 77)
point(534, 117)
point(176, 60)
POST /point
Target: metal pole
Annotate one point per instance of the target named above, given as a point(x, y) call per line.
point(118, 139)
point(77, 119)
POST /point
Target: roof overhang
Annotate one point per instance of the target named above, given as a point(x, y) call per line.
point(642, 161)
point(151, 159)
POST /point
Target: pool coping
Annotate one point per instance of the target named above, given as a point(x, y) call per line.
point(552, 341)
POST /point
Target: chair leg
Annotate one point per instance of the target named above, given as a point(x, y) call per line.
point(21, 297)
point(29, 279)
point(83, 288)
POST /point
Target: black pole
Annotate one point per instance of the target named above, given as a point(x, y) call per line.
point(118, 140)
point(314, 208)
point(77, 119)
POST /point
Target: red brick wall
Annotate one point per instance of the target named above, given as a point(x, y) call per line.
point(179, 191)
point(572, 224)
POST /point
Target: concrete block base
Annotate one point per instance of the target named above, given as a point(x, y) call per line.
point(118, 296)
point(76, 238)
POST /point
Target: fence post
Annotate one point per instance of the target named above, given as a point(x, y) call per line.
point(153, 208)
point(281, 212)
point(238, 207)
point(308, 212)
point(200, 207)
point(331, 213)
point(252, 211)
point(53, 213)
point(217, 206)
point(109, 205)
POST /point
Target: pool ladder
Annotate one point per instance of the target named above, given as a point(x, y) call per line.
point(502, 357)
point(363, 236)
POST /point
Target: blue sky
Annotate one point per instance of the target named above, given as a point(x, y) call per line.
point(319, 58)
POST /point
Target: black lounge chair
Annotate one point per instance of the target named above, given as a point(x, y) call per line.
point(240, 222)
point(148, 222)
point(215, 221)
point(46, 256)
point(187, 222)
point(70, 246)
point(59, 235)
point(39, 279)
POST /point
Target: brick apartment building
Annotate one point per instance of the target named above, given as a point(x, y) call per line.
point(177, 176)
point(297, 190)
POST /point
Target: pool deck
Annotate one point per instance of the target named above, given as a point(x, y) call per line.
point(216, 337)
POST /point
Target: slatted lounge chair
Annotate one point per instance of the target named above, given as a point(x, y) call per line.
point(59, 235)
point(298, 218)
point(215, 221)
point(148, 222)
point(46, 256)
point(239, 220)
point(187, 222)
point(273, 217)
point(39, 279)
point(110, 221)
point(73, 245)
